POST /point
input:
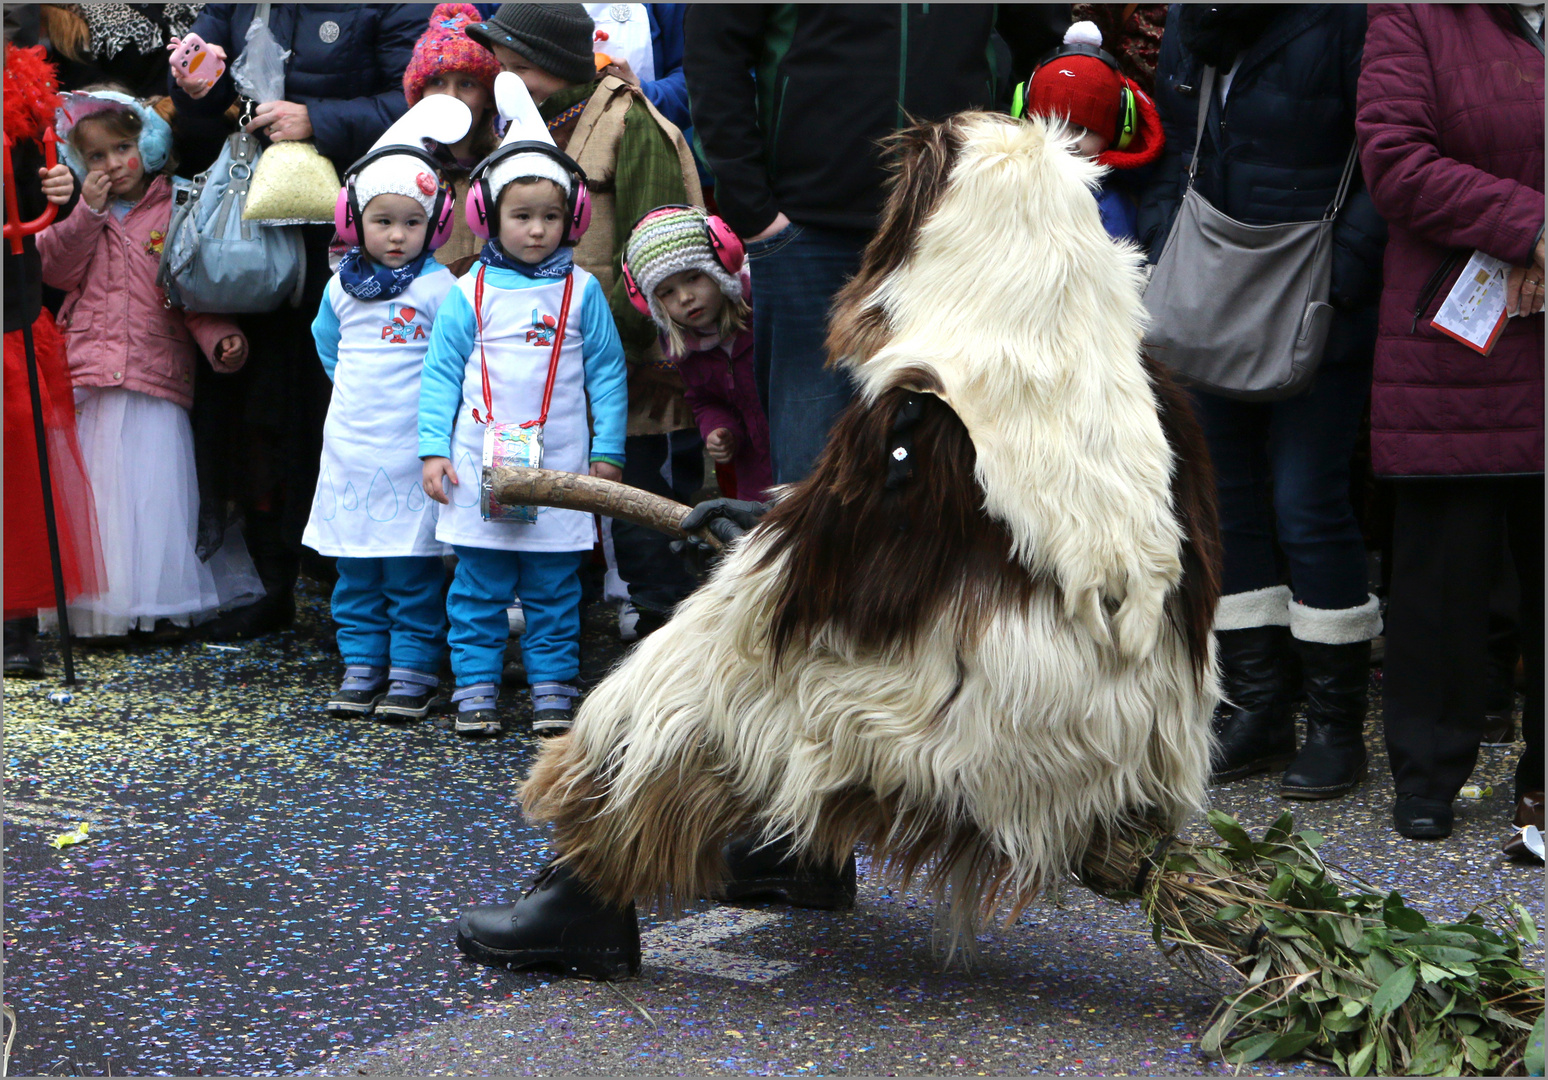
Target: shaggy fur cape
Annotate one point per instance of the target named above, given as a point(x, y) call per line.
point(972, 670)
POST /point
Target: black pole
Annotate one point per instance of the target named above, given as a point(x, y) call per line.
point(48, 493)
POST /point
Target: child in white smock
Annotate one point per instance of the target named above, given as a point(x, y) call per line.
point(504, 317)
point(372, 331)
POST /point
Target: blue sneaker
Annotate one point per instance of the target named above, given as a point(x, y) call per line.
point(476, 709)
point(553, 708)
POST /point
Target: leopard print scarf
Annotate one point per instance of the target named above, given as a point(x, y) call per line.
point(115, 27)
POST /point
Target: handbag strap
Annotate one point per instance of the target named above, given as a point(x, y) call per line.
point(1344, 181)
point(1206, 89)
point(553, 356)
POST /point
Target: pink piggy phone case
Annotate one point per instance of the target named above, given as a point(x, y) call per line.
point(194, 59)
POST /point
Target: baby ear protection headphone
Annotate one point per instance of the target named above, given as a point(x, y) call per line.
point(480, 206)
point(726, 245)
point(1128, 111)
point(346, 212)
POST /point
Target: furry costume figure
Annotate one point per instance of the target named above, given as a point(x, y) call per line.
point(978, 633)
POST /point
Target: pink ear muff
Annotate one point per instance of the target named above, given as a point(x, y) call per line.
point(632, 291)
point(344, 222)
point(442, 227)
point(727, 245)
point(475, 211)
point(582, 219)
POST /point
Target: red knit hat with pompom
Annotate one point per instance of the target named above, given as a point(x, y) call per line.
point(1080, 89)
point(1085, 90)
point(446, 47)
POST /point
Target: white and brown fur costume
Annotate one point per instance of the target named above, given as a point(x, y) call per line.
point(971, 672)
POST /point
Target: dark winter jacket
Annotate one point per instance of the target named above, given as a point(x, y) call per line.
point(800, 136)
point(346, 66)
point(1276, 151)
point(1451, 133)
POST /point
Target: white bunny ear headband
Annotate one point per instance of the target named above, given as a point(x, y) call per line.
point(524, 125)
point(400, 162)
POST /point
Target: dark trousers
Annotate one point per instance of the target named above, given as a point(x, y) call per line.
point(258, 432)
point(672, 466)
point(797, 272)
point(1446, 559)
point(1282, 472)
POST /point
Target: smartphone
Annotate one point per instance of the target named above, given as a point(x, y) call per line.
point(194, 59)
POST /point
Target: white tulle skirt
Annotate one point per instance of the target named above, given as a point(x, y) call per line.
point(140, 459)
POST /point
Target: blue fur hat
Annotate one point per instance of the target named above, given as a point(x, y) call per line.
point(155, 133)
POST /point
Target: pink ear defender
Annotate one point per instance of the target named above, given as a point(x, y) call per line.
point(346, 211)
point(480, 205)
point(723, 241)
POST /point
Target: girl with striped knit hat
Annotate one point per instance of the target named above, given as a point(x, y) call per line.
point(684, 268)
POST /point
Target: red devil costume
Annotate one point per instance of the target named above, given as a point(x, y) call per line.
point(30, 100)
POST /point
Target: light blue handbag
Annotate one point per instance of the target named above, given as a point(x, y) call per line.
point(212, 260)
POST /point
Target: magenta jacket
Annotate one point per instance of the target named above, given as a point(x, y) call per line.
point(1450, 123)
point(720, 388)
point(117, 327)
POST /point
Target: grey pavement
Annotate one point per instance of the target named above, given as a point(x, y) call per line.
point(265, 891)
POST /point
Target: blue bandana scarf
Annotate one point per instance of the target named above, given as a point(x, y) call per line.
point(367, 280)
point(556, 265)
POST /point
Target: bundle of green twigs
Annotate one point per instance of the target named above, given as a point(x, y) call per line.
point(1332, 969)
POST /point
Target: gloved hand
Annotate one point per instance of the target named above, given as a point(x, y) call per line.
point(725, 519)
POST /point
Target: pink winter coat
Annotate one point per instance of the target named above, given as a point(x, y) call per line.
point(117, 327)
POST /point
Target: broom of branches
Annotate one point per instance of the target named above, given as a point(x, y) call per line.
point(1330, 968)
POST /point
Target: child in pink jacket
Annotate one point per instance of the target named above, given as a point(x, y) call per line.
point(131, 365)
point(684, 268)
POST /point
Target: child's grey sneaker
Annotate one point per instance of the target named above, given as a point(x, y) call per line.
point(410, 695)
point(359, 694)
point(476, 709)
point(553, 708)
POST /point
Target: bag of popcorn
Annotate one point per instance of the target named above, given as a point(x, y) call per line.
point(292, 185)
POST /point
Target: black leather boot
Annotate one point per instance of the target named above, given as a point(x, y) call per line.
point(1254, 732)
point(774, 872)
point(558, 923)
point(23, 655)
point(1332, 759)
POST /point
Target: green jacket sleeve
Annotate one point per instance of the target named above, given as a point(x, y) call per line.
point(647, 176)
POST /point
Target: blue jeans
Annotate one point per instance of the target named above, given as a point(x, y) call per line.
point(1282, 469)
point(390, 613)
point(796, 273)
point(549, 585)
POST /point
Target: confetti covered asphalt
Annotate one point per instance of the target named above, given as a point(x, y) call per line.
point(264, 890)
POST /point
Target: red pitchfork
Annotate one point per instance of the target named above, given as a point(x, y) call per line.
point(15, 229)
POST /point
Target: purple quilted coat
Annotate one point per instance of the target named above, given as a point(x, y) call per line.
point(1450, 123)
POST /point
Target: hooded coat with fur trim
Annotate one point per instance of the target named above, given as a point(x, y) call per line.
point(979, 631)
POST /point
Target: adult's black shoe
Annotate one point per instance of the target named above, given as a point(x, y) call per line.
point(1422, 819)
point(23, 654)
point(1332, 759)
point(1254, 731)
point(559, 923)
point(772, 872)
point(266, 615)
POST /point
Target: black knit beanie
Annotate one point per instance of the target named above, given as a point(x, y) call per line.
point(555, 37)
